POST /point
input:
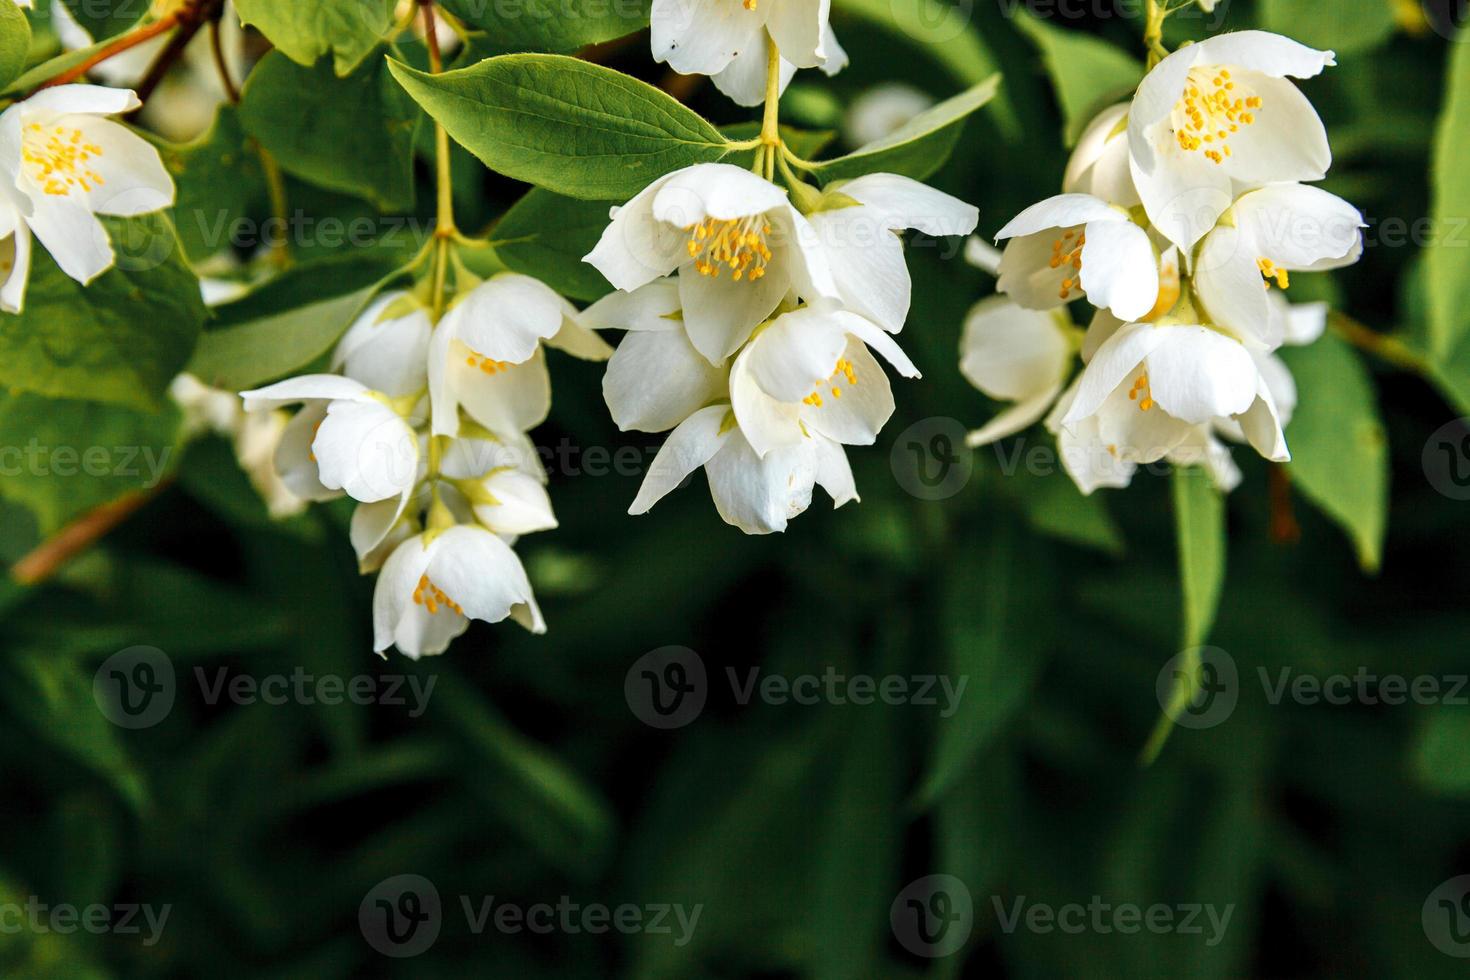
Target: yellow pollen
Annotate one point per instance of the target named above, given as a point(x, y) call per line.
point(1272, 272)
point(59, 159)
point(431, 597)
point(1141, 393)
point(1065, 253)
point(487, 364)
point(843, 368)
point(1209, 112)
point(738, 245)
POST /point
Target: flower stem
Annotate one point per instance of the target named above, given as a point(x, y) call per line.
point(126, 42)
point(221, 63)
point(444, 230)
point(1153, 33)
point(1382, 346)
point(770, 145)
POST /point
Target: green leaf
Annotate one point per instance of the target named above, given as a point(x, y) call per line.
point(353, 135)
point(288, 322)
point(1447, 260)
point(104, 19)
point(950, 39)
point(53, 696)
point(217, 176)
point(304, 31)
point(1344, 27)
point(919, 147)
point(1089, 74)
point(64, 457)
point(120, 340)
point(1058, 509)
point(551, 25)
point(1199, 520)
point(15, 41)
point(988, 645)
point(1199, 517)
point(572, 127)
point(545, 235)
point(1339, 450)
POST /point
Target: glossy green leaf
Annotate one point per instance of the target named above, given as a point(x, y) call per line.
point(1447, 261)
point(1199, 523)
point(105, 18)
point(1339, 450)
point(15, 41)
point(551, 25)
point(217, 177)
point(545, 235)
point(1087, 72)
point(572, 127)
point(304, 31)
point(1346, 28)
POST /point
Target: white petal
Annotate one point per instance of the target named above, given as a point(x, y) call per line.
point(1012, 353)
point(1184, 195)
point(1120, 271)
point(797, 29)
point(1228, 283)
point(512, 400)
point(370, 528)
point(656, 380)
point(834, 475)
point(479, 571)
point(308, 387)
point(796, 352)
point(714, 190)
point(654, 306)
point(1015, 418)
point(136, 180)
point(636, 248)
point(390, 356)
point(63, 100)
point(367, 450)
point(1197, 374)
point(902, 202)
point(1060, 212)
point(765, 423)
point(1118, 358)
point(1263, 51)
point(688, 448)
point(521, 506)
point(1287, 141)
point(18, 258)
point(576, 339)
point(719, 313)
point(293, 459)
point(73, 236)
point(856, 416)
point(1299, 227)
point(1304, 323)
point(1281, 384)
point(1026, 274)
point(1262, 428)
point(867, 265)
point(744, 78)
point(393, 594)
point(700, 37)
point(759, 495)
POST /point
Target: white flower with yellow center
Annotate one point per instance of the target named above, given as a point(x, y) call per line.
point(64, 163)
point(434, 583)
point(1016, 355)
point(726, 39)
point(1076, 245)
point(1220, 115)
point(1099, 164)
point(1148, 387)
point(738, 243)
point(486, 355)
point(1269, 234)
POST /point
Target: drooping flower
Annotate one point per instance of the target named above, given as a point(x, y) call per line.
point(487, 357)
point(1074, 245)
point(1147, 387)
point(1267, 235)
point(62, 163)
point(386, 348)
point(735, 238)
point(1016, 355)
point(727, 40)
point(434, 583)
point(1218, 116)
point(1099, 165)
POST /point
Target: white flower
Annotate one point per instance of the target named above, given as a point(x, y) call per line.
point(859, 240)
point(435, 583)
point(62, 164)
point(737, 240)
point(726, 39)
point(499, 484)
point(881, 110)
point(809, 372)
point(346, 438)
point(1268, 234)
point(486, 354)
point(1099, 164)
point(1147, 387)
point(758, 494)
point(387, 347)
point(1016, 355)
point(1217, 116)
point(1073, 245)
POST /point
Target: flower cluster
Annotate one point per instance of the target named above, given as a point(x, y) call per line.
point(751, 326)
point(424, 424)
point(1183, 216)
point(62, 163)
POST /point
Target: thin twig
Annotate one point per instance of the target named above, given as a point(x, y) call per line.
point(221, 63)
point(125, 43)
point(48, 558)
